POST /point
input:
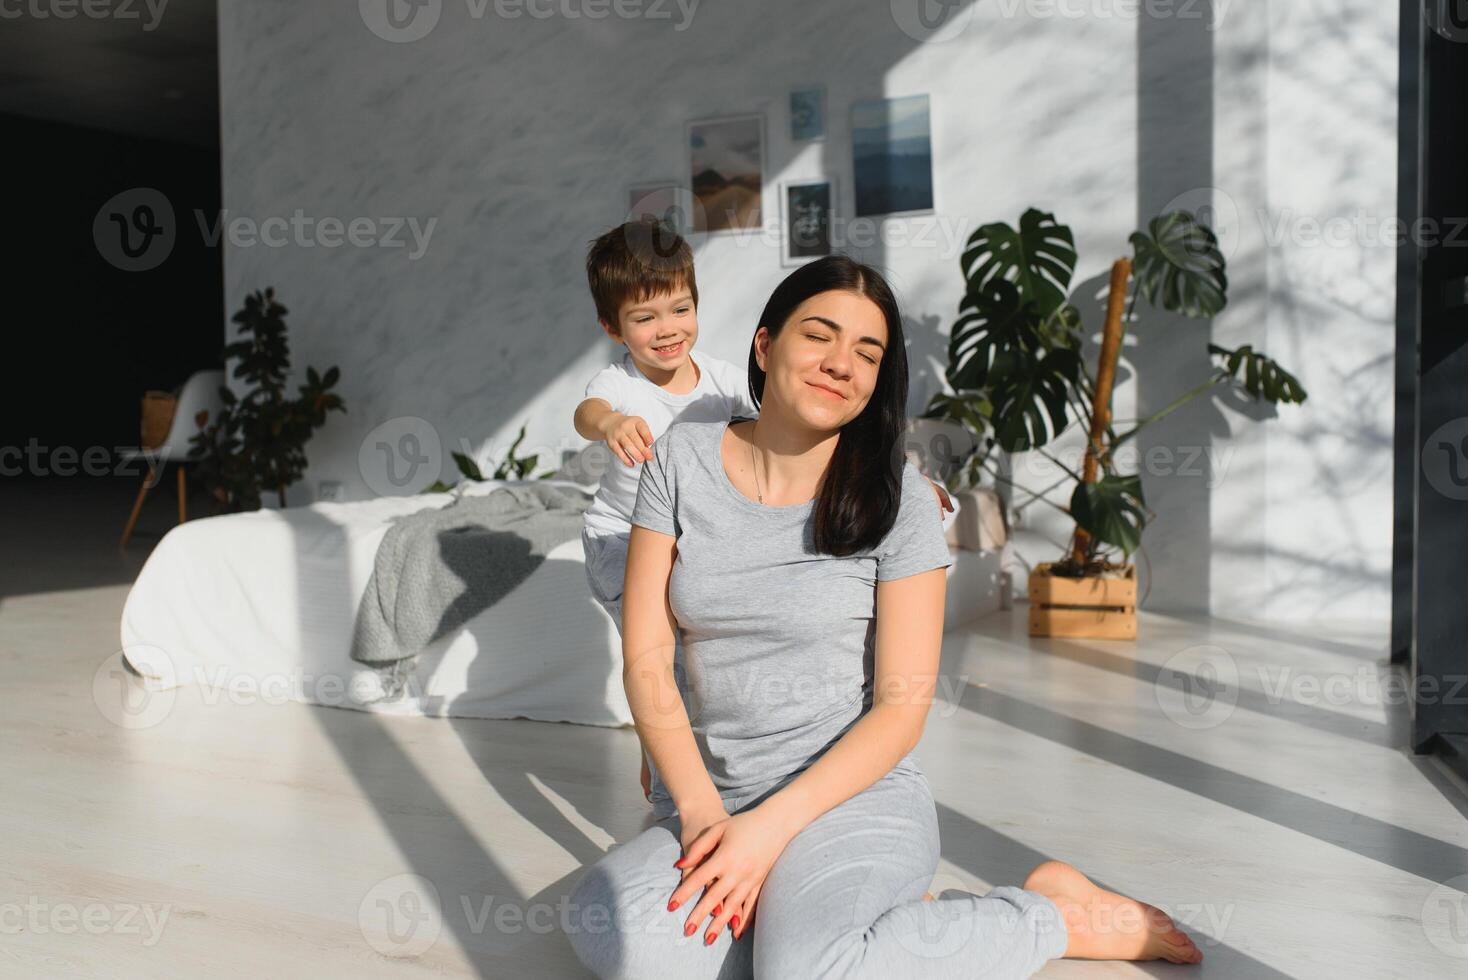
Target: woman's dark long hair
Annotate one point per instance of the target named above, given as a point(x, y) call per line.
point(863, 482)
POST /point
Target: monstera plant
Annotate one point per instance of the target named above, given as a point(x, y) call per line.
point(1018, 379)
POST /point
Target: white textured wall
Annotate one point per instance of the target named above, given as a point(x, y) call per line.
point(519, 137)
point(1301, 516)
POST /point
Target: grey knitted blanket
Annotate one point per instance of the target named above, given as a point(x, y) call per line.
point(437, 569)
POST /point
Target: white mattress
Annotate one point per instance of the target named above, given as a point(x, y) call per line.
point(262, 605)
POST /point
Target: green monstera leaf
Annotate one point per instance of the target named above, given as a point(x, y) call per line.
point(1178, 266)
point(1263, 377)
point(1111, 510)
point(1000, 352)
point(1039, 259)
point(989, 322)
point(1028, 391)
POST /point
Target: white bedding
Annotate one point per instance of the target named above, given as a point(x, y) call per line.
point(265, 602)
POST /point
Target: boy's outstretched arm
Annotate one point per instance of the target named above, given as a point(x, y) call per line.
point(627, 435)
point(590, 415)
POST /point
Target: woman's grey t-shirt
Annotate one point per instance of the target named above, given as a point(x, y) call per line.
point(778, 639)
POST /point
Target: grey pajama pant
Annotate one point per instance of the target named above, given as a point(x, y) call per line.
point(844, 899)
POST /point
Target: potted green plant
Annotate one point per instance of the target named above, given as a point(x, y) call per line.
point(1017, 381)
point(258, 441)
point(511, 468)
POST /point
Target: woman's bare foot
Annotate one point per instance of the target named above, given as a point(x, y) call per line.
point(1106, 926)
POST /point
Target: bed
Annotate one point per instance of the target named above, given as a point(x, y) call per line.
point(263, 604)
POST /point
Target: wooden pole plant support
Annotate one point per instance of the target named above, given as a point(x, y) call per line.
point(1101, 606)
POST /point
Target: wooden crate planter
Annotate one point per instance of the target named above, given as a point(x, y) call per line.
point(1095, 606)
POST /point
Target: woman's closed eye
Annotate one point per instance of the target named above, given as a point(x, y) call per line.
point(815, 336)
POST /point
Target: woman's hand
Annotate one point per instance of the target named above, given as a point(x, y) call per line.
point(728, 860)
point(695, 820)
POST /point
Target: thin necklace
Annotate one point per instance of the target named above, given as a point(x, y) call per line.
point(753, 463)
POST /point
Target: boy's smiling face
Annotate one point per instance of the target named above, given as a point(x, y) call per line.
point(662, 320)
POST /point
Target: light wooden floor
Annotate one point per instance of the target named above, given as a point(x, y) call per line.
point(1294, 837)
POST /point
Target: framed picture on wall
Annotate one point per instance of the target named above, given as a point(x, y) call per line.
point(808, 114)
point(892, 156)
point(806, 207)
point(664, 200)
point(726, 168)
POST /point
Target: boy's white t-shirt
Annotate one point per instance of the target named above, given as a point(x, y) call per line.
point(722, 393)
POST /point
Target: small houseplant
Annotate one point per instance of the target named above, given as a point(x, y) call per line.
point(1018, 381)
point(510, 468)
point(258, 441)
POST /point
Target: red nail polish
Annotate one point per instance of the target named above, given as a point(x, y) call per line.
point(718, 908)
point(708, 940)
point(734, 924)
point(688, 929)
point(679, 863)
point(673, 904)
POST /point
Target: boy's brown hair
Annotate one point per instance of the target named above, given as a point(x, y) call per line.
point(637, 260)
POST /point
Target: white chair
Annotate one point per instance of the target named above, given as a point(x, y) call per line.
point(200, 393)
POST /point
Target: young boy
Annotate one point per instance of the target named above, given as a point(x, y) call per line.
point(646, 296)
point(642, 282)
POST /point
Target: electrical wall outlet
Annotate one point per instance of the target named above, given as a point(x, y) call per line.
point(329, 490)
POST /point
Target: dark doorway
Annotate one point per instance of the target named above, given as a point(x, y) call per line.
point(110, 119)
point(1430, 616)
